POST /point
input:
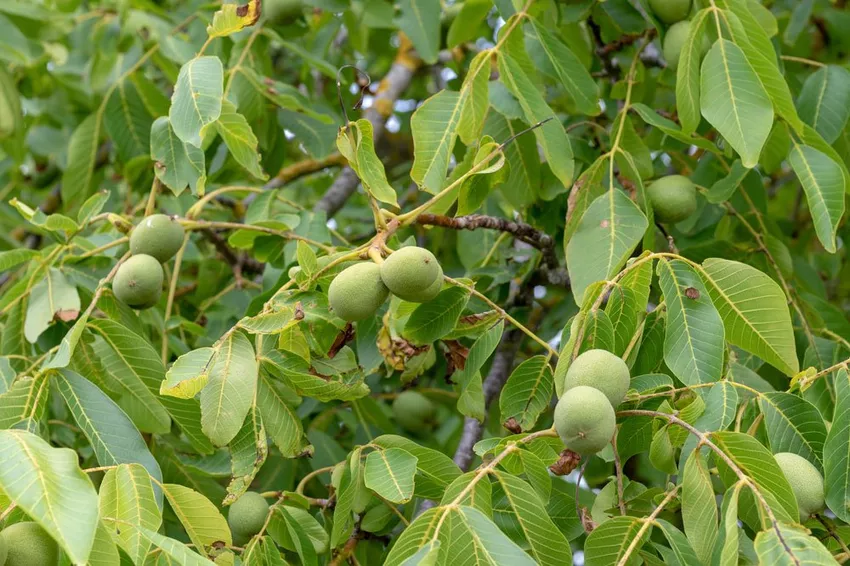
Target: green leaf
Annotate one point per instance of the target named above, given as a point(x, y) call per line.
point(420, 21)
point(127, 121)
point(196, 102)
point(754, 312)
point(240, 139)
point(13, 258)
point(527, 392)
point(823, 182)
point(734, 101)
point(198, 515)
point(53, 296)
point(729, 550)
point(790, 545)
point(232, 18)
point(489, 544)
point(548, 544)
point(693, 343)
point(177, 164)
point(836, 450)
point(390, 473)
point(468, 380)
point(436, 318)
point(82, 155)
point(229, 392)
point(297, 536)
point(356, 142)
point(699, 507)
point(793, 425)
point(349, 485)
point(758, 49)
point(109, 430)
point(295, 372)
point(573, 74)
point(682, 550)
point(134, 370)
point(723, 189)
point(434, 127)
point(551, 135)
point(434, 470)
point(26, 399)
point(49, 486)
point(62, 357)
point(127, 498)
point(188, 375)
point(174, 549)
point(688, 74)
point(607, 543)
point(281, 422)
point(670, 128)
point(824, 101)
point(757, 462)
point(606, 236)
point(661, 452)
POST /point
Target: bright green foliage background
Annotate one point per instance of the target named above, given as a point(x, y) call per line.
point(126, 435)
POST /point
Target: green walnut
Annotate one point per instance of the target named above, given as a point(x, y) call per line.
point(584, 419)
point(413, 411)
point(247, 516)
point(601, 370)
point(4, 550)
point(806, 483)
point(138, 282)
point(670, 11)
point(433, 290)
point(157, 235)
point(675, 39)
point(410, 273)
point(673, 198)
point(358, 291)
point(283, 11)
point(673, 42)
point(27, 544)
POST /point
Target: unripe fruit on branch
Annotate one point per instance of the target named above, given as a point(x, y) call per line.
point(673, 42)
point(413, 411)
point(670, 11)
point(157, 235)
point(357, 292)
point(29, 545)
point(673, 198)
point(247, 516)
point(138, 282)
point(410, 273)
point(584, 419)
point(806, 482)
point(601, 370)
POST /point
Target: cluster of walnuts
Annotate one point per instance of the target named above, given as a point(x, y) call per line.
point(138, 282)
point(412, 274)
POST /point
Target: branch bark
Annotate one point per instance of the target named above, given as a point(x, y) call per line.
point(522, 231)
point(389, 90)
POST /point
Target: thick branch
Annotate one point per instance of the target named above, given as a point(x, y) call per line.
point(391, 87)
point(522, 231)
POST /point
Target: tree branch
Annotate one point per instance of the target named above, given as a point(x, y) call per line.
point(522, 231)
point(391, 87)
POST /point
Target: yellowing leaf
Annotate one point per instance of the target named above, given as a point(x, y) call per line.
point(233, 18)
